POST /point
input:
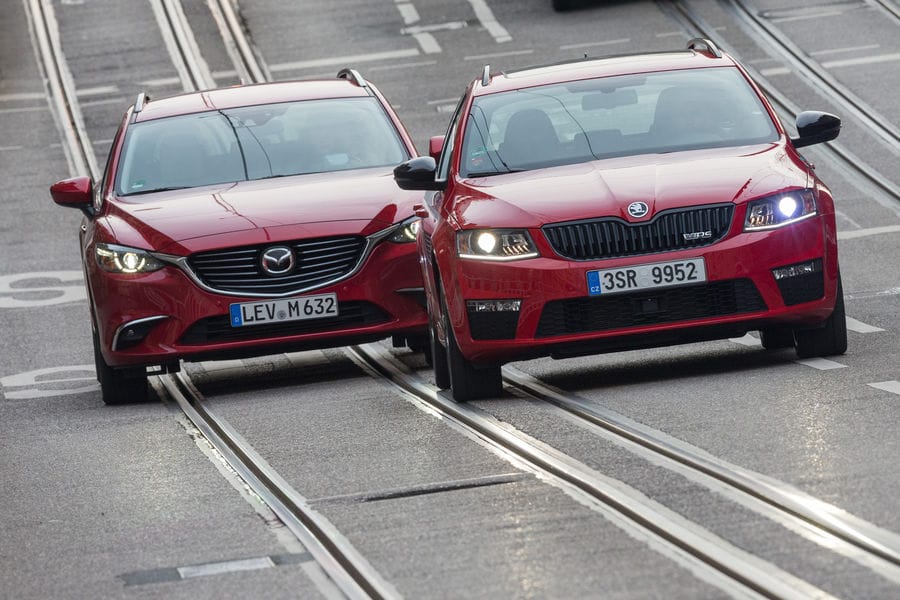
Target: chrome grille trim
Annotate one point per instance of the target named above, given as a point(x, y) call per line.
point(610, 237)
point(325, 278)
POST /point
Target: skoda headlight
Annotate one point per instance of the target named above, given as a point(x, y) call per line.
point(780, 210)
point(406, 232)
point(495, 244)
point(121, 259)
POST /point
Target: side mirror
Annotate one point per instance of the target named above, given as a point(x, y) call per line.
point(418, 174)
point(814, 127)
point(435, 147)
point(77, 192)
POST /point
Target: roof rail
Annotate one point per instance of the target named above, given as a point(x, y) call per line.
point(486, 75)
point(704, 44)
point(142, 99)
point(354, 76)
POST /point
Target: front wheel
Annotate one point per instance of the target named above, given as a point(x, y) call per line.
point(829, 339)
point(467, 381)
point(777, 337)
point(119, 386)
point(439, 361)
point(564, 5)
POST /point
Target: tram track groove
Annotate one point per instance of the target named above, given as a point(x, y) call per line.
point(829, 520)
point(814, 72)
point(350, 571)
point(884, 191)
point(61, 88)
point(749, 573)
point(249, 66)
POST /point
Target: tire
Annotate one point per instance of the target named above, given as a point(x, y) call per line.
point(119, 386)
point(420, 343)
point(467, 381)
point(439, 361)
point(831, 338)
point(564, 5)
point(777, 338)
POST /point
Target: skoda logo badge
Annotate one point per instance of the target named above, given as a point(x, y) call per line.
point(638, 209)
point(278, 260)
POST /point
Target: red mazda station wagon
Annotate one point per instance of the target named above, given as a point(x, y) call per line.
point(622, 203)
point(244, 221)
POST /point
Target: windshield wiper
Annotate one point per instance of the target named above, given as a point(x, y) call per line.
point(489, 173)
point(154, 190)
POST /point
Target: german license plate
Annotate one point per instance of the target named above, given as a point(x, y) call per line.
point(646, 277)
point(284, 309)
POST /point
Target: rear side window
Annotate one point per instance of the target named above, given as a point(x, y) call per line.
point(615, 116)
point(257, 142)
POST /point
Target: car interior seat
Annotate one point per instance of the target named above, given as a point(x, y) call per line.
point(530, 138)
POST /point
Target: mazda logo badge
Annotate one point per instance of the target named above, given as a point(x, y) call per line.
point(638, 209)
point(278, 260)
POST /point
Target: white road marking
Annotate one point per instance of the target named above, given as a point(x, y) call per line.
point(427, 43)
point(101, 90)
point(748, 340)
point(485, 16)
point(830, 13)
point(247, 564)
point(162, 82)
point(63, 286)
point(497, 54)
point(344, 60)
point(862, 295)
point(887, 386)
point(449, 26)
point(10, 148)
point(844, 50)
point(860, 327)
point(595, 44)
point(9, 111)
point(406, 65)
point(774, 71)
point(845, 217)
point(22, 96)
point(858, 233)
point(668, 34)
point(822, 364)
point(862, 60)
point(52, 377)
point(408, 12)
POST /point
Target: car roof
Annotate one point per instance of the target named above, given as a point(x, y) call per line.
point(600, 67)
point(250, 95)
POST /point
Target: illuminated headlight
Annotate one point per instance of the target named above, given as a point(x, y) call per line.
point(120, 259)
point(495, 244)
point(780, 210)
point(407, 231)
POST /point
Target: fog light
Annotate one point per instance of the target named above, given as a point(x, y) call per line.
point(806, 268)
point(493, 305)
point(133, 333)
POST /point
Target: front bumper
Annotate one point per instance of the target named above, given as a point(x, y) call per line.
point(163, 317)
point(557, 317)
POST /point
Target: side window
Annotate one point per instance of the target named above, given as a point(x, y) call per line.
point(443, 167)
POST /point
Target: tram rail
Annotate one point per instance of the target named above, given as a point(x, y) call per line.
point(886, 191)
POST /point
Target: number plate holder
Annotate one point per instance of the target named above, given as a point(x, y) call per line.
point(284, 309)
point(636, 278)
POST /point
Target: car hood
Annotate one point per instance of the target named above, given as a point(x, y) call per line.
point(607, 187)
point(262, 211)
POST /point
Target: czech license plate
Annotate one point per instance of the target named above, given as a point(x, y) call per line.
point(645, 277)
point(284, 309)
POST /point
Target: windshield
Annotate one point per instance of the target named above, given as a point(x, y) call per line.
point(580, 121)
point(257, 142)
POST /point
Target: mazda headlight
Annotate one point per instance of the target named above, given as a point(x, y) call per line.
point(121, 259)
point(495, 244)
point(780, 210)
point(406, 232)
